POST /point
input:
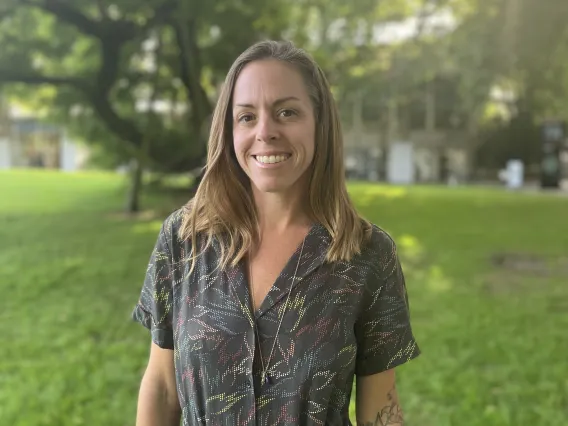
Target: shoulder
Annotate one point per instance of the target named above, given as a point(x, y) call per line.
point(174, 235)
point(380, 245)
point(171, 226)
point(379, 255)
point(377, 258)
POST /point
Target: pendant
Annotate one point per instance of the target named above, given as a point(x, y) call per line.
point(265, 379)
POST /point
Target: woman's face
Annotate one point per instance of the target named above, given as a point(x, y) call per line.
point(273, 126)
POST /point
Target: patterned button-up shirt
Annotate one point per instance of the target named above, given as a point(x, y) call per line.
point(343, 318)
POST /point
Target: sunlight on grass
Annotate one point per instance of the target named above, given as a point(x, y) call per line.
point(410, 247)
point(152, 227)
point(71, 262)
point(367, 194)
point(386, 191)
point(436, 280)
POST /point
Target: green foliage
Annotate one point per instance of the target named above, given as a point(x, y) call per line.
point(103, 62)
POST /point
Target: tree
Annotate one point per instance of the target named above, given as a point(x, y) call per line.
point(103, 76)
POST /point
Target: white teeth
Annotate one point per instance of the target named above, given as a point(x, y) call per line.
point(271, 159)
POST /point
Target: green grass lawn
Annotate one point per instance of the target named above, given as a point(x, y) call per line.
point(494, 338)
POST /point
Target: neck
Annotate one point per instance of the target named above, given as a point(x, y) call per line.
point(280, 212)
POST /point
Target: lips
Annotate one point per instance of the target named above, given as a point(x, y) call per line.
point(271, 159)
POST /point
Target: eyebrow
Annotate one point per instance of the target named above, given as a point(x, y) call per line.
point(276, 102)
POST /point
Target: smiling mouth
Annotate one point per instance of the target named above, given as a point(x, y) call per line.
point(271, 159)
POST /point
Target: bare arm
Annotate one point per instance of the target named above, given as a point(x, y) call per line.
point(158, 402)
point(377, 401)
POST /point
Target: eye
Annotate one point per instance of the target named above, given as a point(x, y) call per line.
point(245, 118)
point(287, 113)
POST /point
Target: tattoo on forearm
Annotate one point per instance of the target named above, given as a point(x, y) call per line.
point(390, 414)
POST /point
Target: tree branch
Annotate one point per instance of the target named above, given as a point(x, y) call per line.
point(7, 13)
point(162, 14)
point(117, 34)
point(70, 15)
point(102, 9)
point(9, 76)
point(190, 70)
point(108, 71)
point(122, 127)
point(112, 36)
point(125, 30)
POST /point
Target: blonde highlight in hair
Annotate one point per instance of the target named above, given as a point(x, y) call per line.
point(223, 207)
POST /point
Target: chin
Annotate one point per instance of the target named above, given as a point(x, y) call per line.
point(280, 184)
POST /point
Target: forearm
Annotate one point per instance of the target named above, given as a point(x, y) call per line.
point(390, 415)
point(156, 405)
point(377, 401)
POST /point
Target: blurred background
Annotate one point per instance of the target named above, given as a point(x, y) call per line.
point(453, 114)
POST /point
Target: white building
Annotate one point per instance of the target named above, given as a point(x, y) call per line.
point(27, 142)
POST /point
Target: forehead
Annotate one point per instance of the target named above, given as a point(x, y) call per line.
point(268, 80)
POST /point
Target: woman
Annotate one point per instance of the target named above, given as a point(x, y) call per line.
point(267, 293)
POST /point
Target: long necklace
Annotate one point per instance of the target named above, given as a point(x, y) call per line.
point(265, 378)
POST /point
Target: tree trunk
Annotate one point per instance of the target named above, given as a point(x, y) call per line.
point(472, 142)
point(133, 196)
point(383, 145)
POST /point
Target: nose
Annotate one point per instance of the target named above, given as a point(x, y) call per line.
point(266, 129)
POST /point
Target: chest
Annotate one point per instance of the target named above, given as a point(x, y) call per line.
point(312, 342)
point(309, 349)
point(216, 307)
point(266, 267)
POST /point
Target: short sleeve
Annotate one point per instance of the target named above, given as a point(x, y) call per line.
point(384, 334)
point(154, 308)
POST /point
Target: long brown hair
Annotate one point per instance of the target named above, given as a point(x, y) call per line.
point(223, 206)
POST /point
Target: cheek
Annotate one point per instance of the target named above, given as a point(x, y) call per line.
point(309, 150)
point(311, 145)
point(239, 145)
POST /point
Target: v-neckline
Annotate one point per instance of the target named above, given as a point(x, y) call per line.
point(314, 252)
